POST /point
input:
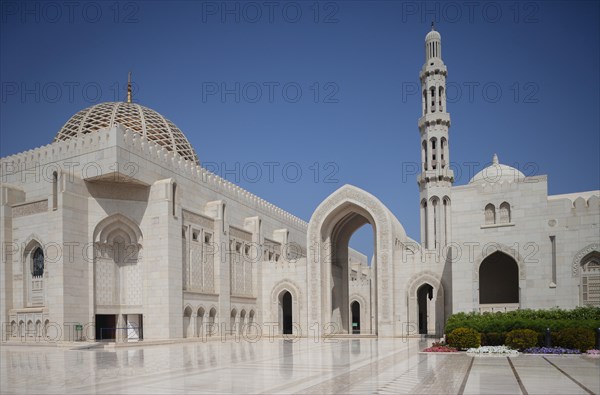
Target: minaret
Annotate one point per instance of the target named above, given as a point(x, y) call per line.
point(436, 178)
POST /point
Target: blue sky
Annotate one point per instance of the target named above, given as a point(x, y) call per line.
point(327, 88)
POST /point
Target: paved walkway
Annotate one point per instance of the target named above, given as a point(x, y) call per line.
point(357, 366)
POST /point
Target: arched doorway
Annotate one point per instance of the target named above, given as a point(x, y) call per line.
point(424, 298)
point(498, 283)
point(330, 228)
point(285, 313)
point(232, 321)
point(242, 327)
point(355, 311)
point(187, 321)
point(200, 322)
point(118, 277)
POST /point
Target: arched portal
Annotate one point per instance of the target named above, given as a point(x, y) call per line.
point(424, 298)
point(187, 322)
point(425, 304)
point(355, 311)
point(330, 228)
point(118, 277)
point(285, 313)
point(200, 322)
point(498, 282)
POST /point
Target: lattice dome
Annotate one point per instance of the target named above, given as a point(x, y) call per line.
point(140, 119)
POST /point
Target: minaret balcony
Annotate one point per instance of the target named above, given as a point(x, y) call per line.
point(434, 118)
point(435, 175)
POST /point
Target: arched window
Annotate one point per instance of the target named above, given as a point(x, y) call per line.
point(490, 214)
point(433, 153)
point(436, 213)
point(443, 144)
point(424, 102)
point(424, 222)
point(424, 157)
point(37, 263)
point(590, 279)
point(505, 213)
point(174, 200)
point(54, 191)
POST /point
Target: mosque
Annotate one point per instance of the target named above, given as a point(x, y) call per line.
point(115, 232)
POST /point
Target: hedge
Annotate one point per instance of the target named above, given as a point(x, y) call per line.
point(537, 320)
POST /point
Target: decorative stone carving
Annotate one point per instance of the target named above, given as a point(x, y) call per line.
point(198, 219)
point(22, 210)
point(579, 256)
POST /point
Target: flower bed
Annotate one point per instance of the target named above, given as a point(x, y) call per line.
point(492, 350)
point(551, 350)
point(593, 353)
point(440, 349)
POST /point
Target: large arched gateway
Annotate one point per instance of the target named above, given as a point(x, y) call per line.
point(330, 228)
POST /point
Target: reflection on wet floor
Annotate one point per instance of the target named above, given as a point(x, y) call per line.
point(279, 366)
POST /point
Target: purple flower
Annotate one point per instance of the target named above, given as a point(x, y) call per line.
point(551, 350)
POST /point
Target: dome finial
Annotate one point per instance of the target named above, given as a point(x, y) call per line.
point(432, 26)
point(129, 87)
point(495, 159)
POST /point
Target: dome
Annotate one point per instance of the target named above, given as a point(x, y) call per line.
point(497, 173)
point(433, 34)
point(142, 120)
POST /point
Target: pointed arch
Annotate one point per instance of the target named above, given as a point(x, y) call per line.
point(511, 255)
point(332, 224)
point(277, 293)
point(187, 321)
point(490, 214)
point(117, 262)
point(109, 227)
point(435, 310)
point(504, 211)
point(34, 266)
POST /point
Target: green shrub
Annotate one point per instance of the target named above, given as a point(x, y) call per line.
point(463, 338)
point(537, 320)
point(493, 338)
point(520, 339)
point(579, 338)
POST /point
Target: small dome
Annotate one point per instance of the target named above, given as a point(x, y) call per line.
point(433, 34)
point(142, 120)
point(497, 173)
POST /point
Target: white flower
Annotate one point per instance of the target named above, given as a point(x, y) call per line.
point(492, 350)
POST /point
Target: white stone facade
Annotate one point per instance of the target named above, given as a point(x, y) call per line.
point(116, 228)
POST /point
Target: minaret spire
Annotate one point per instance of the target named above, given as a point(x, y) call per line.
point(129, 87)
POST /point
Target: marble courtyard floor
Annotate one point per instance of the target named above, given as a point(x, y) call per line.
point(359, 366)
